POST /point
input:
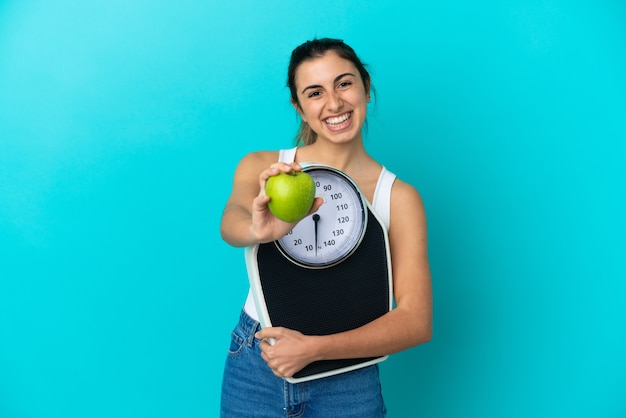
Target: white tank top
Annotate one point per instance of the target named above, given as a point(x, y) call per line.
point(381, 205)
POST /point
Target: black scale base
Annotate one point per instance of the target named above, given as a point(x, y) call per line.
point(327, 301)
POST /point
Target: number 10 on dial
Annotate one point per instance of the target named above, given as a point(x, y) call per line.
point(334, 232)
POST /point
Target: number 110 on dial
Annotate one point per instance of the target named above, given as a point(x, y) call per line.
point(333, 233)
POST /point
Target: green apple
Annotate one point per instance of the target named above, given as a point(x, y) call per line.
point(291, 195)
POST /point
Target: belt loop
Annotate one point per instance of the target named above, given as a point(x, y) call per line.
point(251, 337)
point(256, 326)
point(250, 326)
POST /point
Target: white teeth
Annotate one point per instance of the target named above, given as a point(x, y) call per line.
point(338, 119)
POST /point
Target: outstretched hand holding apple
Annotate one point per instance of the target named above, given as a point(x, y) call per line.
point(291, 195)
point(287, 195)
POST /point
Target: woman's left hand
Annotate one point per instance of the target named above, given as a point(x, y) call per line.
point(285, 351)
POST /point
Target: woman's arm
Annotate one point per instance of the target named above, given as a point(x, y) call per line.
point(407, 325)
point(246, 219)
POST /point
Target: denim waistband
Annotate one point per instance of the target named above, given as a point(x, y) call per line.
point(248, 325)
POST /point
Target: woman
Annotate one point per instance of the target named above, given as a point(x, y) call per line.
point(330, 89)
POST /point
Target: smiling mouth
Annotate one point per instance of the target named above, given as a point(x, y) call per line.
point(338, 121)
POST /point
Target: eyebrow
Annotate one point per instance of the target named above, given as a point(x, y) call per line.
point(315, 86)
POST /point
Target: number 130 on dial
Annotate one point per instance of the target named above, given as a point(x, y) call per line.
point(334, 232)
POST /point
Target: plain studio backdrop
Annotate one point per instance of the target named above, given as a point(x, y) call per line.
point(120, 127)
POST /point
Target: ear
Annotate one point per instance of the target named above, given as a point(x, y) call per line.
point(298, 109)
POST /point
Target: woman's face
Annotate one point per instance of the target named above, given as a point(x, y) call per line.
point(333, 98)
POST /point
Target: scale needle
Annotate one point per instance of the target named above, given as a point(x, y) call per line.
point(316, 219)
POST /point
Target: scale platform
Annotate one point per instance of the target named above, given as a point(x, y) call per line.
point(324, 301)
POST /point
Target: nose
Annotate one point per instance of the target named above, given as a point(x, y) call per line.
point(334, 102)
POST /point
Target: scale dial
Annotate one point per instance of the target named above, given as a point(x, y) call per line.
point(334, 232)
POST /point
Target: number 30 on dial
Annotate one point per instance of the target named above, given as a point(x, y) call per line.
point(334, 232)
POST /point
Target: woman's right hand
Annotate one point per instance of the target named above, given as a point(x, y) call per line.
point(246, 219)
point(265, 227)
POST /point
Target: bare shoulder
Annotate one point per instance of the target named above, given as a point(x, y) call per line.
point(408, 233)
point(407, 208)
point(257, 159)
point(406, 197)
point(253, 163)
point(245, 184)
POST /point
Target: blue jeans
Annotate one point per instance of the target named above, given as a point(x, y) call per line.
point(250, 389)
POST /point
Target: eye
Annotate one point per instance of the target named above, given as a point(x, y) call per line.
point(314, 94)
point(345, 84)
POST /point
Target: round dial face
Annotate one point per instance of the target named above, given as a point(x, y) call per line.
point(333, 233)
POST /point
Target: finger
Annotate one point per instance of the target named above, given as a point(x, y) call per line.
point(266, 174)
point(317, 203)
point(260, 201)
point(284, 167)
point(266, 345)
point(295, 166)
point(274, 170)
point(267, 332)
point(284, 372)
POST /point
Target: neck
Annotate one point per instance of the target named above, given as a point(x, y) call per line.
point(341, 156)
point(351, 158)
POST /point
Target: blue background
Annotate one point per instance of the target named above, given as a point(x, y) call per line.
point(120, 127)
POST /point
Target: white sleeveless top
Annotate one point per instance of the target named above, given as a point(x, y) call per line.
point(381, 205)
